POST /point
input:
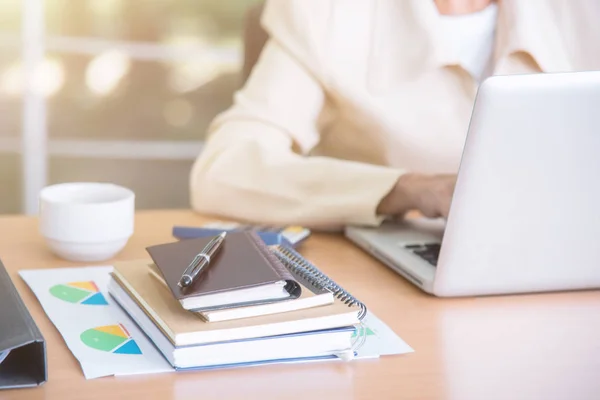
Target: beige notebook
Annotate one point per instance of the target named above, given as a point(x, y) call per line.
point(183, 327)
point(311, 296)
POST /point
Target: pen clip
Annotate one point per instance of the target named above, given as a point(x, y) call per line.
point(191, 269)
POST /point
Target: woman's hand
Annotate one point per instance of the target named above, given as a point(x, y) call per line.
point(431, 195)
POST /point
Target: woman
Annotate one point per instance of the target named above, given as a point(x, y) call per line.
point(358, 110)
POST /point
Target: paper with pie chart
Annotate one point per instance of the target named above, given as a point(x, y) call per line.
point(106, 341)
point(96, 330)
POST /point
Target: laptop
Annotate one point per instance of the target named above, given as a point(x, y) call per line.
point(525, 214)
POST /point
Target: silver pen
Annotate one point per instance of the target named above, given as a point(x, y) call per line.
point(201, 261)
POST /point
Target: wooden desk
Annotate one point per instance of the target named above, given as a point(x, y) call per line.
point(518, 347)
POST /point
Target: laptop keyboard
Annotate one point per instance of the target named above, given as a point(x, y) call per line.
point(427, 251)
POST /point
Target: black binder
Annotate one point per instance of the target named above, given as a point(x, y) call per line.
point(22, 346)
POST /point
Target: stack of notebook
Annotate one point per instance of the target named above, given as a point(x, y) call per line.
point(255, 304)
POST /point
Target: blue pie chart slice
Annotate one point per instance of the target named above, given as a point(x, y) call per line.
point(130, 347)
point(95, 300)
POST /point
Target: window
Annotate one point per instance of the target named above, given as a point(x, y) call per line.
point(125, 91)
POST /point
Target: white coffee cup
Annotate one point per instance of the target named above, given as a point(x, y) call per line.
point(87, 222)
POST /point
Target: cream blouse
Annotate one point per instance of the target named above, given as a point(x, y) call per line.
point(348, 95)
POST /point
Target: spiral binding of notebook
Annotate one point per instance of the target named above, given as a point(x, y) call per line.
point(308, 271)
point(299, 265)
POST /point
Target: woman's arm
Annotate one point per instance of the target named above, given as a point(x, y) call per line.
point(254, 165)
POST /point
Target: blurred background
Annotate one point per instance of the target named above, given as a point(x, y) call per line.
point(128, 88)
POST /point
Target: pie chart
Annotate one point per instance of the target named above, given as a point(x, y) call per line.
point(111, 339)
point(86, 293)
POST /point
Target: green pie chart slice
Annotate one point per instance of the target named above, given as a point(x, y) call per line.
point(68, 293)
point(101, 340)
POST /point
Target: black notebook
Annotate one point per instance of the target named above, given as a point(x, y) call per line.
point(22, 347)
